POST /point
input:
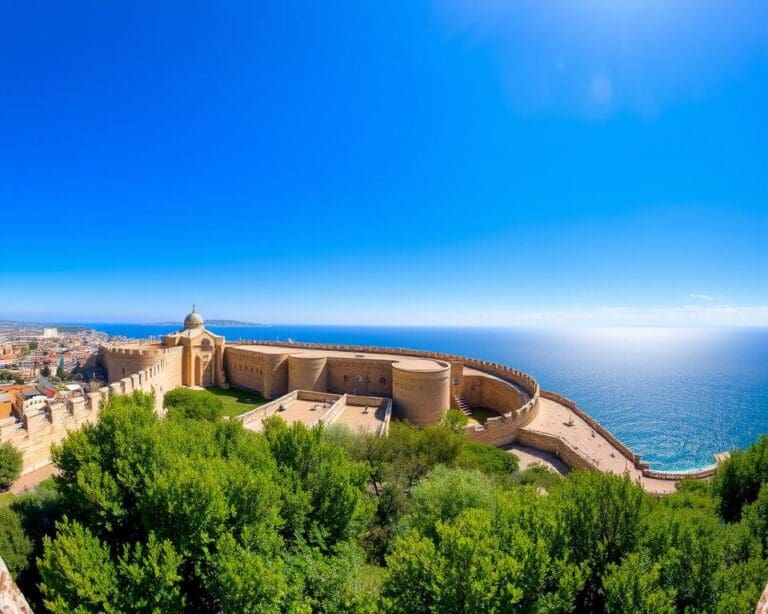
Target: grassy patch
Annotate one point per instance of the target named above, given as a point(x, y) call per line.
point(237, 401)
point(6, 498)
point(481, 414)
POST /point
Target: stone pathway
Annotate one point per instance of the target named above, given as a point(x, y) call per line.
point(29, 481)
point(554, 419)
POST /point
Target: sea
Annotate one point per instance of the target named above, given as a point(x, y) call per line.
point(676, 396)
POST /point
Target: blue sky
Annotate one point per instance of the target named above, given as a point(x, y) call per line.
point(451, 162)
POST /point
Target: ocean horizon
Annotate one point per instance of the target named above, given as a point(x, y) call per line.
point(676, 396)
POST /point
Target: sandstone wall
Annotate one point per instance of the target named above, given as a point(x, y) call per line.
point(307, 372)
point(481, 391)
point(40, 429)
point(11, 599)
point(361, 377)
point(421, 397)
point(264, 373)
point(555, 445)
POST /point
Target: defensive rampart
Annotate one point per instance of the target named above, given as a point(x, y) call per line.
point(39, 429)
point(503, 394)
point(551, 443)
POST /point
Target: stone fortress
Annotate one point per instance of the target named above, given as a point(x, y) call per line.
point(335, 382)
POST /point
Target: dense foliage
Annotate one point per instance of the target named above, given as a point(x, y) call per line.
point(193, 404)
point(191, 512)
point(10, 465)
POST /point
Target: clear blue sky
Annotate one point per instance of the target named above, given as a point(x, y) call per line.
point(414, 162)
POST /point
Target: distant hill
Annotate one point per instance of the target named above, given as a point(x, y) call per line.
point(219, 324)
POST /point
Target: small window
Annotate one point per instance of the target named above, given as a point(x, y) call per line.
point(382, 380)
point(346, 379)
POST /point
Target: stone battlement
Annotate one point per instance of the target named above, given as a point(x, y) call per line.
point(34, 435)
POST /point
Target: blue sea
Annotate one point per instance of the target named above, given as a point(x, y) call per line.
point(675, 396)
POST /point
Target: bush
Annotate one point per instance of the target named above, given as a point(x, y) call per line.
point(455, 420)
point(10, 465)
point(183, 403)
point(487, 458)
point(540, 476)
point(15, 546)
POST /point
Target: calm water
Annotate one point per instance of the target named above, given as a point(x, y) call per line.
point(675, 396)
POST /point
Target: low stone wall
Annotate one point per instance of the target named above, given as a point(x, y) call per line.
point(599, 428)
point(701, 474)
point(557, 446)
point(271, 408)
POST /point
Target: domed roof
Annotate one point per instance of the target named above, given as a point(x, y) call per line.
point(193, 320)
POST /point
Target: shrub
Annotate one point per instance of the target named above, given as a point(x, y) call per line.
point(183, 403)
point(15, 546)
point(10, 465)
point(487, 458)
point(455, 420)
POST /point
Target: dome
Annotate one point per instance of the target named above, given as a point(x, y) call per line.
point(193, 320)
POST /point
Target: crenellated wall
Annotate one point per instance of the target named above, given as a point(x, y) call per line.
point(160, 372)
point(512, 393)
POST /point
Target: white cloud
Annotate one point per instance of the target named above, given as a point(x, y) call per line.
point(701, 297)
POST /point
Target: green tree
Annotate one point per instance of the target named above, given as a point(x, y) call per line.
point(45, 371)
point(193, 404)
point(78, 574)
point(11, 464)
point(488, 459)
point(686, 544)
point(445, 494)
point(635, 586)
point(739, 479)
point(599, 517)
point(474, 564)
point(33, 345)
point(15, 547)
point(325, 489)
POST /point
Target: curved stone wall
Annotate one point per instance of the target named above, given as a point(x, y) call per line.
point(421, 396)
point(307, 372)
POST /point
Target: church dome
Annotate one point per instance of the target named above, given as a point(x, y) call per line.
point(193, 320)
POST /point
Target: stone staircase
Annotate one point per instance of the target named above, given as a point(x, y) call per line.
point(464, 407)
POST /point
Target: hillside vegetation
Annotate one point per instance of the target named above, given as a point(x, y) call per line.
point(193, 513)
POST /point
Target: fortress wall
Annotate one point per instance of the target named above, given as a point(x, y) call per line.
point(524, 380)
point(34, 436)
point(357, 376)
point(276, 376)
point(264, 373)
point(482, 391)
point(245, 369)
point(504, 429)
point(307, 372)
point(457, 382)
point(421, 397)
